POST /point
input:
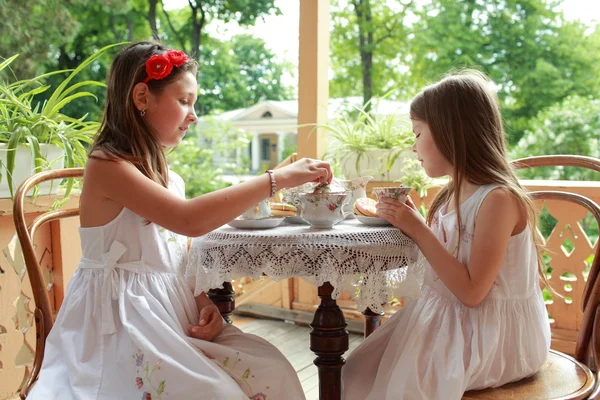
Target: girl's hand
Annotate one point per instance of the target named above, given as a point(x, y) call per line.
point(403, 216)
point(210, 324)
point(302, 171)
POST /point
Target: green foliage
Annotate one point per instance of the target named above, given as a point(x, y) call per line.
point(356, 135)
point(289, 146)
point(415, 177)
point(211, 151)
point(55, 35)
point(533, 55)
point(570, 127)
point(35, 29)
point(238, 74)
point(389, 30)
point(229, 145)
point(25, 121)
point(195, 165)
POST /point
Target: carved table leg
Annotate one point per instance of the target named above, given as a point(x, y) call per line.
point(224, 300)
point(329, 340)
point(372, 321)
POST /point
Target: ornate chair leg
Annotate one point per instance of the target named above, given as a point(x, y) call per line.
point(372, 321)
point(224, 300)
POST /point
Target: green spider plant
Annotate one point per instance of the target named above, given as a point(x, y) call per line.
point(23, 122)
point(358, 134)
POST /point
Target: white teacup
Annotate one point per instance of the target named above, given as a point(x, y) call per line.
point(399, 193)
point(323, 210)
point(259, 211)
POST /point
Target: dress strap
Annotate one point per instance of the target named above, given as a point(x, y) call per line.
point(481, 194)
point(110, 284)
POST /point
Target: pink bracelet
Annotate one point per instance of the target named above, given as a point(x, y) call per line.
point(273, 183)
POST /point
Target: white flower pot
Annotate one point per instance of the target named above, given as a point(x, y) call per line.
point(372, 164)
point(24, 167)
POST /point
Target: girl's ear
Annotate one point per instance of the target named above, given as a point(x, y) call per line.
point(141, 96)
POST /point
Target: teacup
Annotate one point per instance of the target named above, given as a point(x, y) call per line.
point(323, 210)
point(259, 211)
point(399, 193)
point(357, 188)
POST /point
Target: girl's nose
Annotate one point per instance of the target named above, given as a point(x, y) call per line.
point(193, 117)
point(414, 148)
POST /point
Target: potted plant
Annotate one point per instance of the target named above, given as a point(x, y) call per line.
point(36, 137)
point(365, 144)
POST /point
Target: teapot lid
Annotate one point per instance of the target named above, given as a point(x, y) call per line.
point(333, 187)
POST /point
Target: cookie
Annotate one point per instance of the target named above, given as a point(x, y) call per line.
point(366, 207)
point(282, 209)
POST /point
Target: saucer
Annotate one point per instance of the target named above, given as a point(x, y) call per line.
point(372, 221)
point(264, 223)
point(296, 220)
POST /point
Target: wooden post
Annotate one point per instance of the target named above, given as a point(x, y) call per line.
point(329, 341)
point(313, 82)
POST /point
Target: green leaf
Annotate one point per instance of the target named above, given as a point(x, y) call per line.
point(161, 388)
point(11, 147)
point(6, 62)
point(66, 101)
point(51, 105)
point(78, 85)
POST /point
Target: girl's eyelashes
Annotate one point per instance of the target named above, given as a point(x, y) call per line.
point(184, 102)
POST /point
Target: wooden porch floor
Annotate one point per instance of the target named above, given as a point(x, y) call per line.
point(293, 341)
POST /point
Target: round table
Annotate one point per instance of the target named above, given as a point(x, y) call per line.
point(374, 264)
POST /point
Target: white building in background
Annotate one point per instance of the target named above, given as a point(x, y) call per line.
point(273, 124)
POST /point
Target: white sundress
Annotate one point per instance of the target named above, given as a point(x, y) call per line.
point(121, 330)
point(437, 348)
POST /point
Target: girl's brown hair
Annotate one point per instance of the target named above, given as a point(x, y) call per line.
point(463, 115)
point(124, 133)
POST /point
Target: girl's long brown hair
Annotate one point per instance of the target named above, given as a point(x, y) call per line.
point(463, 115)
point(124, 133)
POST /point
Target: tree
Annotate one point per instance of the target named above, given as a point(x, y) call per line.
point(100, 23)
point(570, 127)
point(368, 39)
point(202, 12)
point(531, 53)
point(35, 30)
point(238, 74)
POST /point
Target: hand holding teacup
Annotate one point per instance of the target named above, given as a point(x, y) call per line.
point(396, 207)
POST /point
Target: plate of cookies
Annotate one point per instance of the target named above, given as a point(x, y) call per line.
point(282, 209)
point(365, 211)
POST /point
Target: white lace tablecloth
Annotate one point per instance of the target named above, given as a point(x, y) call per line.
point(374, 264)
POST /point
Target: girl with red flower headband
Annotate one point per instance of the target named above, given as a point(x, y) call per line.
point(130, 326)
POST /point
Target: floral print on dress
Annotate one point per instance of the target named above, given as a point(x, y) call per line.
point(174, 239)
point(144, 378)
point(242, 378)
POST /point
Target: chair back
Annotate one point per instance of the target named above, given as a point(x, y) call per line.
point(590, 287)
point(568, 246)
point(44, 317)
point(557, 161)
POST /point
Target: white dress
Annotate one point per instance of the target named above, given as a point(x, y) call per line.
point(437, 348)
point(121, 331)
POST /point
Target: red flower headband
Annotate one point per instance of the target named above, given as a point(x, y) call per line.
point(160, 66)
